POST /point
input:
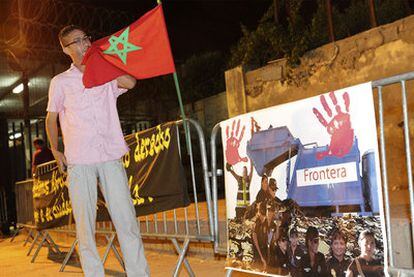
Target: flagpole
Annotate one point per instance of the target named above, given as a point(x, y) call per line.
point(177, 88)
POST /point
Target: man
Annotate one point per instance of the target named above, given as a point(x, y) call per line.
point(260, 238)
point(313, 262)
point(295, 252)
point(243, 192)
point(94, 144)
point(42, 154)
point(279, 258)
point(338, 263)
point(366, 264)
point(263, 194)
point(272, 190)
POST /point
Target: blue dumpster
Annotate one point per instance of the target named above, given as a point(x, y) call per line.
point(332, 186)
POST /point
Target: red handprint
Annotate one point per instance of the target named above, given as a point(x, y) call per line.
point(233, 143)
point(339, 127)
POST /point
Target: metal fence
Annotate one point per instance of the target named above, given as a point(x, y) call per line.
point(24, 201)
point(405, 252)
point(380, 86)
point(3, 206)
point(189, 224)
point(220, 244)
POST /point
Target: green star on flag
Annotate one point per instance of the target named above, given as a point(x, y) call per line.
point(141, 50)
point(124, 48)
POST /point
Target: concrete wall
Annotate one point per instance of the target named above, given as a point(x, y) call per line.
point(375, 54)
point(208, 111)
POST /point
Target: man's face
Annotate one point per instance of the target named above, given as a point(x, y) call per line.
point(244, 172)
point(75, 44)
point(283, 244)
point(338, 247)
point(313, 245)
point(367, 245)
point(293, 240)
point(272, 191)
point(265, 184)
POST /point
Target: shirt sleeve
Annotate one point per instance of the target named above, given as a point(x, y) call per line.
point(56, 96)
point(117, 90)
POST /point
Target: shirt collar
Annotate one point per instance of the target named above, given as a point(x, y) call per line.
point(74, 69)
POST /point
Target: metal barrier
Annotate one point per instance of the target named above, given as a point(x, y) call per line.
point(190, 224)
point(185, 225)
point(378, 85)
point(219, 248)
point(24, 201)
point(25, 217)
point(3, 206)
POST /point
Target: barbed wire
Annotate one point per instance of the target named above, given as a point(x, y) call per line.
point(31, 28)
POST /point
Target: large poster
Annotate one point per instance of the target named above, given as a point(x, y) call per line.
point(155, 177)
point(303, 188)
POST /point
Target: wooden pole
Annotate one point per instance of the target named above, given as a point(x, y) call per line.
point(372, 16)
point(330, 21)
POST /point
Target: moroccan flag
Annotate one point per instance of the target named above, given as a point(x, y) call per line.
point(141, 50)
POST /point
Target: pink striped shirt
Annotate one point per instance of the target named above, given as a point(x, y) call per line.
point(88, 118)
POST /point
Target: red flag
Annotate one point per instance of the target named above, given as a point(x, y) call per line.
point(141, 50)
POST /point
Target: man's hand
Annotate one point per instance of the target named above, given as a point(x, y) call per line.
point(60, 160)
point(126, 81)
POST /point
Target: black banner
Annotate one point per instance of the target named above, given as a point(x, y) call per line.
point(155, 177)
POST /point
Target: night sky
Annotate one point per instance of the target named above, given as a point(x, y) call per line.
point(196, 26)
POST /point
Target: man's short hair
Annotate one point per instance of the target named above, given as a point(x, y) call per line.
point(293, 232)
point(39, 141)
point(311, 233)
point(283, 236)
point(272, 183)
point(364, 234)
point(339, 234)
point(66, 31)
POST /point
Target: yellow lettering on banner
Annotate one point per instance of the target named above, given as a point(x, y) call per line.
point(136, 151)
point(36, 216)
point(61, 210)
point(153, 145)
point(130, 181)
point(42, 216)
point(166, 140)
point(46, 187)
point(144, 151)
point(40, 188)
point(126, 160)
point(136, 198)
point(57, 182)
point(48, 214)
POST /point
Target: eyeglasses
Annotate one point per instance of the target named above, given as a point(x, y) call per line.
point(79, 40)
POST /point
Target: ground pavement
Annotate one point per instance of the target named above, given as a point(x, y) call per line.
point(14, 262)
